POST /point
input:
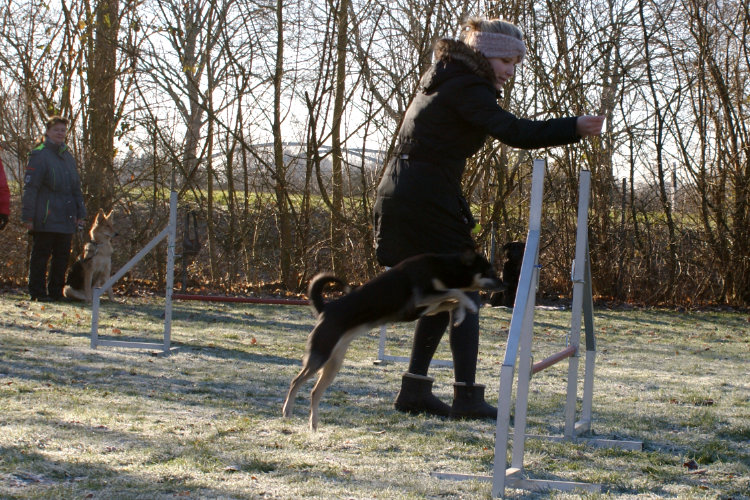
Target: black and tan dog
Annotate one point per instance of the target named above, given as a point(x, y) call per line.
point(94, 267)
point(422, 285)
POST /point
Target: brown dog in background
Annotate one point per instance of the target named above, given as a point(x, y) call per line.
point(94, 267)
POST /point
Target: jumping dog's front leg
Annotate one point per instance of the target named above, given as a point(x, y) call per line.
point(451, 299)
point(464, 303)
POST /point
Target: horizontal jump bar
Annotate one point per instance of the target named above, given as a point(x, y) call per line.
point(250, 300)
point(555, 358)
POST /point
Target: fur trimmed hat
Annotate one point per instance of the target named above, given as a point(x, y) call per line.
point(494, 38)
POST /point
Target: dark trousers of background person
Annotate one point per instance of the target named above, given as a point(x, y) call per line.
point(53, 250)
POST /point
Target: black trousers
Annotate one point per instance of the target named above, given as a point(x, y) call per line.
point(48, 250)
point(464, 342)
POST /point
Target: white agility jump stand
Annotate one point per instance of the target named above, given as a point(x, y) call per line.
point(520, 336)
point(169, 232)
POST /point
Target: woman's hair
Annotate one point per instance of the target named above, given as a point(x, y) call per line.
point(51, 122)
point(54, 120)
point(474, 24)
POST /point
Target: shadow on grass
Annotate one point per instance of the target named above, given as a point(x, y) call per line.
point(34, 475)
point(666, 317)
point(241, 316)
point(224, 353)
point(97, 375)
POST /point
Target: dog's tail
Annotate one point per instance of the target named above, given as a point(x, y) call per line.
point(317, 284)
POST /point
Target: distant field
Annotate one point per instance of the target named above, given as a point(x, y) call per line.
point(206, 421)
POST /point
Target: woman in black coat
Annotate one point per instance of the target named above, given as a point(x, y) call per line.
point(420, 207)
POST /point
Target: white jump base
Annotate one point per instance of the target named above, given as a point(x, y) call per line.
point(170, 233)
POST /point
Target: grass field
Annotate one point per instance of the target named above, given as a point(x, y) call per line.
point(206, 421)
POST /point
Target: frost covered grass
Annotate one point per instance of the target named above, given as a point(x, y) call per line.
point(205, 422)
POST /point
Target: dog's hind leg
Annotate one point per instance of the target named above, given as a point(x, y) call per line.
point(327, 374)
point(305, 374)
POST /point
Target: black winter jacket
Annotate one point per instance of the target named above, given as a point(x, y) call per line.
point(419, 206)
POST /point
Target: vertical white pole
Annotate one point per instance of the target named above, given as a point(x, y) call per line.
point(578, 278)
point(383, 337)
point(171, 241)
point(523, 315)
point(527, 330)
point(381, 342)
point(524, 375)
point(588, 374)
point(501, 430)
point(95, 320)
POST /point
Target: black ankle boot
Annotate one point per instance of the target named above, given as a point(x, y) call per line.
point(468, 402)
point(416, 396)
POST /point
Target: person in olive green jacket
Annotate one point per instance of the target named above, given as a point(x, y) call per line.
point(52, 209)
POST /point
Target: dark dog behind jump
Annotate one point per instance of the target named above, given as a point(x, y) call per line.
point(513, 253)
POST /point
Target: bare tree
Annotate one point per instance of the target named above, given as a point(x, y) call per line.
point(288, 273)
point(39, 62)
point(99, 175)
point(275, 116)
point(716, 153)
point(337, 230)
point(659, 133)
